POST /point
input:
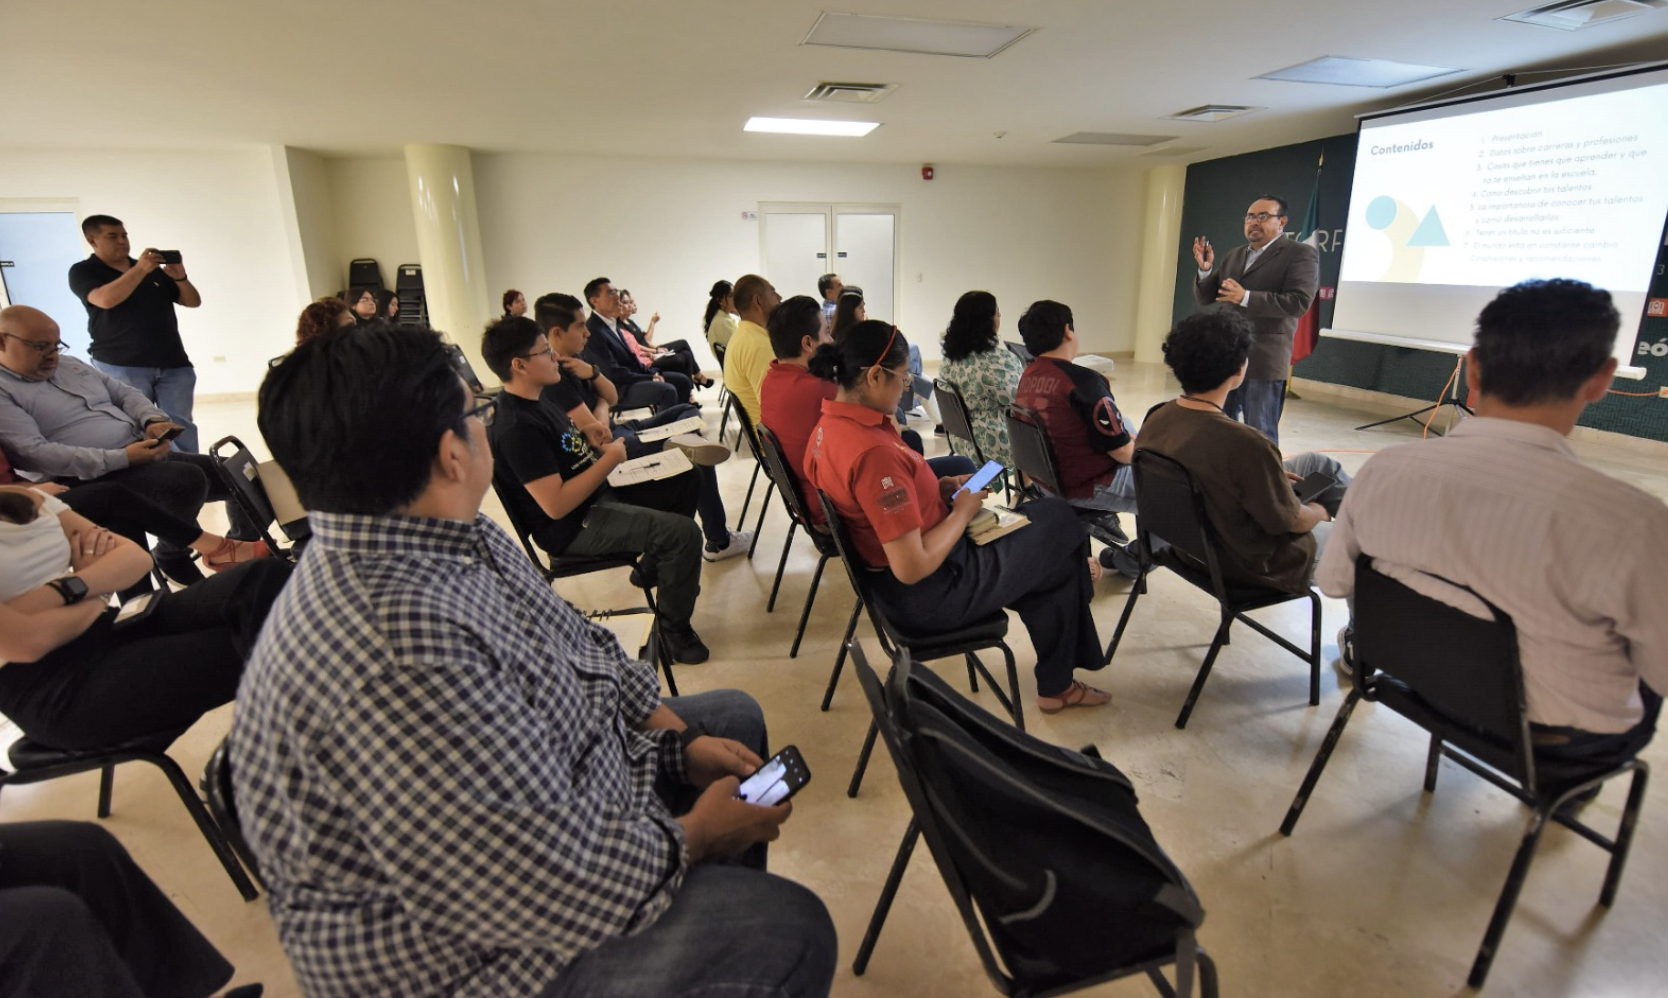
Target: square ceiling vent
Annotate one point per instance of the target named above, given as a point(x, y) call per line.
point(1112, 139)
point(851, 93)
point(1573, 15)
point(1345, 71)
point(913, 35)
point(1212, 112)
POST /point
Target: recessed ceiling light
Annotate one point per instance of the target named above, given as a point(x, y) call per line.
point(811, 126)
point(1345, 71)
point(913, 35)
point(1177, 151)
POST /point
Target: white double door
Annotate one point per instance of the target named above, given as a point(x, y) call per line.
point(800, 242)
point(39, 241)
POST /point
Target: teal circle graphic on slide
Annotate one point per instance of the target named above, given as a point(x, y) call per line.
point(1381, 212)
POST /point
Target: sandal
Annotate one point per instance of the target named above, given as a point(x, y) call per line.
point(1078, 694)
point(235, 552)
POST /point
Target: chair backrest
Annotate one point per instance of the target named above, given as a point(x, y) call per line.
point(222, 805)
point(365, 273)
point(751, 432)
point(958, 423)
point(1018, 350)
point(241, 474)
point(409, 279)
point(1444, 668)
point(787, 481)
point(1173, 509)
point(466, 370)
point(523, 530)
point(1033, 453)
point(860, 574)
point(1001, 812)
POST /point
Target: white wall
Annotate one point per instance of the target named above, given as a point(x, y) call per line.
point(667, 229)
point(220, 207)
point(372, 204)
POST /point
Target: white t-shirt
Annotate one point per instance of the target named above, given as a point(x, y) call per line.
point(33, 553)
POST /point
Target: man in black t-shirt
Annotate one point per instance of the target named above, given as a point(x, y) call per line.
point(131, 320)
point(555, 482)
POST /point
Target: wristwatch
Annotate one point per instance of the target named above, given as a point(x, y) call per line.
point(71, 588)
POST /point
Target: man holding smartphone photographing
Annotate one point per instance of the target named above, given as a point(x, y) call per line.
point(131, 320)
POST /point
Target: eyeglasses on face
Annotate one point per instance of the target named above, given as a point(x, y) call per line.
point(546, 352)
point(41, 348)
point(1262, 216)
point(486, 412)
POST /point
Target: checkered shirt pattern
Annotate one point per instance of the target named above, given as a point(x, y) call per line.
point(438, 765)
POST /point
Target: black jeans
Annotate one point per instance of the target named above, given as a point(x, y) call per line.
point(110, 685)
point(78, 919)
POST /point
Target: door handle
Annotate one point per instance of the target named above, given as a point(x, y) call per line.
point(822, 256)
point(842, 256)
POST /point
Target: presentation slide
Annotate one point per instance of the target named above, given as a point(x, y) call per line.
point(1449, 205)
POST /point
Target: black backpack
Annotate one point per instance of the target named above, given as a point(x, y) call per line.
point(1048, 843)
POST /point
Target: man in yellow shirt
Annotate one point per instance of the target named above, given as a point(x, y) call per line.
point(748, 357)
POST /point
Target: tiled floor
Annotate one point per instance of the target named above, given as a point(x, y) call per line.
point(1383, 890)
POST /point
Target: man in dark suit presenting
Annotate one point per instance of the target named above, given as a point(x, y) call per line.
point(1273, 279)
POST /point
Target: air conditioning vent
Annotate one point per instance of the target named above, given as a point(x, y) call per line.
point(1211, 112)
point(1177, 151)
point(851, 93)
point(1112, 139)
point(1573, 15)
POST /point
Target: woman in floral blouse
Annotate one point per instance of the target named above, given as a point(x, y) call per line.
point(986, 372)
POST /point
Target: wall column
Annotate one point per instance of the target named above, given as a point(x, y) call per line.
point(1161, 241)
point(442, 185)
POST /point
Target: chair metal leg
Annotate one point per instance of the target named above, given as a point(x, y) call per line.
point(781, 566)
point(1135, 592)
point(1314, 648)
point(1624, 835)
point(655, 652)
point(764, 507)
point(741, 521)
point(1508, 895)
point(863, 760)
point(973, 672)
point(724, 419)
point(1432, 759)
point(1017, 710)
point(805, 614)
point(205, 824)
point(888, 893)
point(106, 784)
point(1204, 672)
point(1313, 776)
point(840, 657)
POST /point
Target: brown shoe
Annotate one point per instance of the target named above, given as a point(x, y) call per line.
point(1078, 694)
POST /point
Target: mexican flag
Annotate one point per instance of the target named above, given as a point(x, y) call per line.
point(1308, 327)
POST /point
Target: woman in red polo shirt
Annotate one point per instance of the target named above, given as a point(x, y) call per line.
point(905, 519)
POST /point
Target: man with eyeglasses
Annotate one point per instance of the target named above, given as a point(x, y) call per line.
point(131, 319)
point(1272, 280)
point(454, 783)
point(62, 419)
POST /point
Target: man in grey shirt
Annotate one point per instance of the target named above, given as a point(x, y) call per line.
point(62, 419)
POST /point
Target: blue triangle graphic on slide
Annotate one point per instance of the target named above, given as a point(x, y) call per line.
point(1429, 232)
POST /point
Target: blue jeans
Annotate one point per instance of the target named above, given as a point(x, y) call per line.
point(732, 931)
point(173, 389)
point(1261, 403)
point(918, 385)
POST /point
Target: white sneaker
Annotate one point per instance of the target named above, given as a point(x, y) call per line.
point(740, 541)
point(699, 449)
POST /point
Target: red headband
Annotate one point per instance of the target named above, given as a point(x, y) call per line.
point(887, 349)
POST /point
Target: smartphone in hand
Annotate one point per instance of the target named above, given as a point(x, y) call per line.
point(170, 433)
point(1313, 486)
point(171, 258)
point(981, 478)
point(777, 780)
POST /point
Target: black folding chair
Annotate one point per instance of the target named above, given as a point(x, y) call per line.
point(726, 399)
point(466, 371)
point(924, 645)
point(1034, 456)
point(241, 473)
point(1458, 676)
point(222, 804)
point(958, 426)
point(752, 436)
point(776, 465)
point(554, 567)
point(1014, 965)
point(1173, 510)
point(33, 762)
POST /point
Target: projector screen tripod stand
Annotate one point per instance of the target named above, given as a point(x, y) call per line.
point(1447, 397)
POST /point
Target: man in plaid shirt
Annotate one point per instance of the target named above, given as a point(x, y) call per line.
point(454, 783)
